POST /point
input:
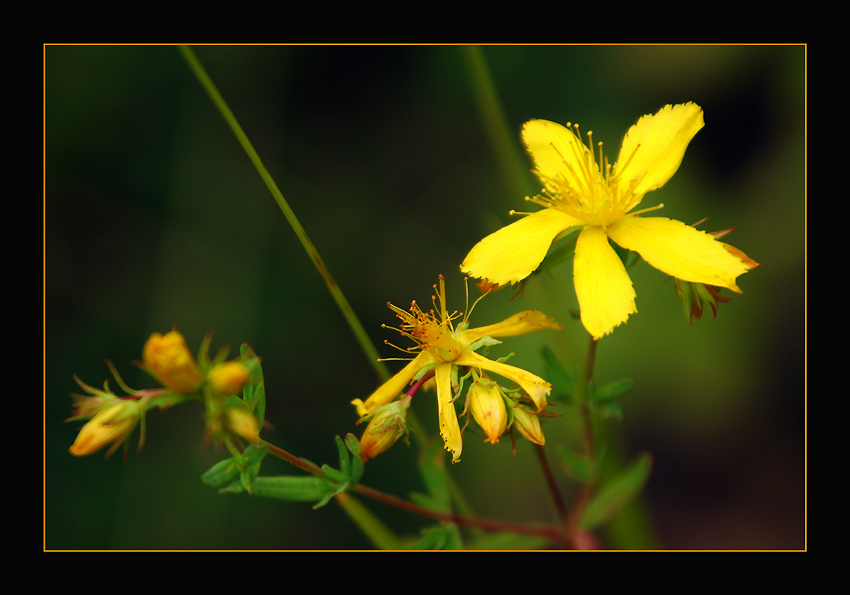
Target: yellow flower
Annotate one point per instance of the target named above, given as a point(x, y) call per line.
point(441, 346)
point(167, 357)
point(113, 423)
point(599, 198)
point(228, 378)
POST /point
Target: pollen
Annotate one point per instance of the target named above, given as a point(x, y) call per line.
point(587, 187)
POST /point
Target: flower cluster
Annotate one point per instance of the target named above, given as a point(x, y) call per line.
point(597, 199)
point(443, 348)
point(113, 419)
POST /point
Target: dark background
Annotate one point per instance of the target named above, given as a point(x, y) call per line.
point(155, 216)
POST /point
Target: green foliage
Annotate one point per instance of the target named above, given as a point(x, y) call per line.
point(238, 473)
point(254, 393)
point(241, 473)
point(602, 400)
point(616, 494)
point(432, 466)
point(562, 381)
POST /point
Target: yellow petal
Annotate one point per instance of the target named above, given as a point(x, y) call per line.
point(654, 147)
point(449, 427)
point(518, 324)
point(605, 293)
point(515, 251)
point(389, 390)
point(680, 250)
point(559, 154)
point(536, 388)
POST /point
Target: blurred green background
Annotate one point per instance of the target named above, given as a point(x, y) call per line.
point(155, 216)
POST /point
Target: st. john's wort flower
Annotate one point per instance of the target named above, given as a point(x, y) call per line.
point(599, 198)
point(441, 347)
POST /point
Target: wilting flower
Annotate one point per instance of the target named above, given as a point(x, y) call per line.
point(168, 359)
point(599, 199)
point(112, 424)
point(442, 347)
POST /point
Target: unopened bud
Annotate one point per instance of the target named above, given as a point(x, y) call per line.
point(387, 425)
point(167, 357)
point(228, 378)
point(487, 406)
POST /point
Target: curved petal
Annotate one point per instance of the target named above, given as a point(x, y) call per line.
point(654, 147)
point(515, 251)
point(446, 414)
point(392, 387)
point(518, 324)
point(536, 388)
point(558, 154)
point(680, 250)
point(604, 290)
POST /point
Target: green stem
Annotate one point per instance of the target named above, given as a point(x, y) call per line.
point(359, 332)
point(580, 392)
point(486, 524)
point(378, 533)
point(511, 164)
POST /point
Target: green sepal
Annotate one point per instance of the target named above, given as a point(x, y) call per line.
point(614, 496)
point(254, 393)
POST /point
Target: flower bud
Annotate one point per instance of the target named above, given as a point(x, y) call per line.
point(167, 357)
point(114, 423)
point(385, 428)
point(528, 426)
point(242, 422)
point(228, 378)
point(487, 405)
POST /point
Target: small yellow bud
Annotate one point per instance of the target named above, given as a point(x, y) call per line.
point(228, 378)
point(488, 408)
point(242, 422)
point(113, 424)
point(528, 426)
point(168, 358)
point(384, 429)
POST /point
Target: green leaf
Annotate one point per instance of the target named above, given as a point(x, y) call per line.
point(308, 488)
point(357, 465)
point(580, 467)
point(222, 473)
point(611, 498)
point(236, 473)
point(254, 393)
point(612, 390)
point(561, 380)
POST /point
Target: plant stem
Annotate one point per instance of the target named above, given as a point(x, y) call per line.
point(487, 524)
point(585, 377)
point(347, 312)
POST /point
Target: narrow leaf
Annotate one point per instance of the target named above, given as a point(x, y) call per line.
point(611, 498)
